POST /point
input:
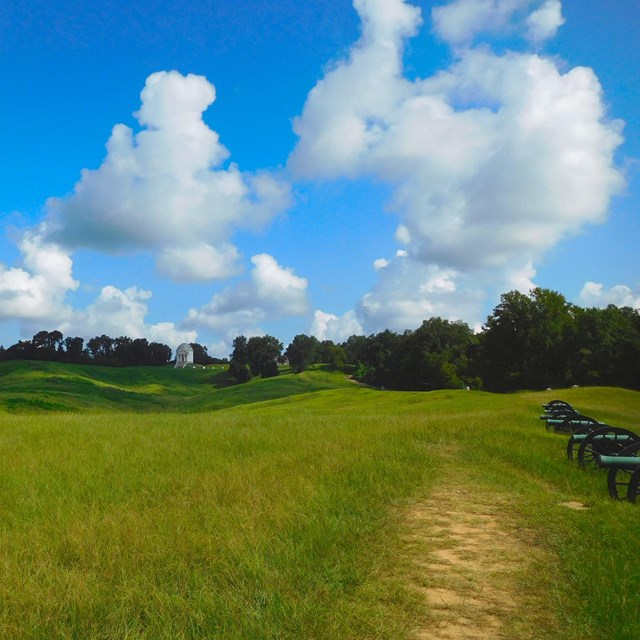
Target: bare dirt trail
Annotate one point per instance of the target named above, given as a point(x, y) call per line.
point(470, 568)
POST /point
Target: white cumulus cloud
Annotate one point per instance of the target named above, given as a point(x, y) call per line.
point(36, 290)
point(460, 21)
point(116, 312)
point(199, 262)
point(545, 21)
point(408, 291)
point(492, 161)
point(271, 292)
point(165, 188)
point(594, 294)
point(327, 326)
point(35, 294)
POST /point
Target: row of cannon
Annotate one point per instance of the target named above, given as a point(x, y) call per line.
point(598, 445)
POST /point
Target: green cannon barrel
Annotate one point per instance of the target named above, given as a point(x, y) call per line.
point(618, 437)
point(559, 421)
point(618, 462)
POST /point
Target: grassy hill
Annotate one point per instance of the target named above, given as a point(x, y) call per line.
point(309, 507)
point(27, 386)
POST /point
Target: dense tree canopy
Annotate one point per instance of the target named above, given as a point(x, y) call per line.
point(102, 350)
point(256, 356)
point(529, 341)
point(302, 352)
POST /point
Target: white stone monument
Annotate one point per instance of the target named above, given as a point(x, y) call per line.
point(184, 356)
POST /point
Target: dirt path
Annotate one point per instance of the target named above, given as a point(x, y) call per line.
point(468, 566)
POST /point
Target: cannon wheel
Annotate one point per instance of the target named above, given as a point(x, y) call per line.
point(558, 404)
point(633, 490)
point(617, 439)
point(568, 427)
point(619, 480)
point(573, 445)
point(560, 415)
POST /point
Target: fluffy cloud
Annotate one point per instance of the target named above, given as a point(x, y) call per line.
point(347, 111)
point(595, 295)
point(327, 326)
point(492, 161)
point(271, 292)
point(165, 187)
point(122, 313)
point(35, 292)
point(408, 291)
point(199, 262)
point(35, 295)
point(545, 22)
point(461, 20)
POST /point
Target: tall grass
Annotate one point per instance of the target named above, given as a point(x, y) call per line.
point(284, 519)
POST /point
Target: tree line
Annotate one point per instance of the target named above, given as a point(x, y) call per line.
point(100, 350)
point(530, 341)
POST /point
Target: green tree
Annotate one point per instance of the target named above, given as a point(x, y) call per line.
point(200, 354)
point(47, 345)
point(527, 341)
point(159, 353)
point(100, 348)
point(239, 372)
point(301, 352)
point(332, 354)
point(240, 352)
point(74, 349)
point(607, 347)
point(436, 355)
point(263, 352)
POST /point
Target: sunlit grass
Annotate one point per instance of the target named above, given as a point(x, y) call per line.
point(46, 386)
point(283, 518)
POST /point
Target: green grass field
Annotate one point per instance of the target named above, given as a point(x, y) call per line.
point(153, 503)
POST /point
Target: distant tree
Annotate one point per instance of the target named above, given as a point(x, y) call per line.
point(239, 372)
point(74, 350)
point(100, 349)
point(122, 352)
point(47, 345)
point(262, 353)
point(607, 347)
point(526, 342)
point(301, 352)
point(21, 350)
point(200, 355)
point(160, 354)
point(269, 368)
point(331, 354)
point(377, 358)
point(355, 348)
point(436, 355)
point(240, 352)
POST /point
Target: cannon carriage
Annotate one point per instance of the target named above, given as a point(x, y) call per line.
point(596, 445)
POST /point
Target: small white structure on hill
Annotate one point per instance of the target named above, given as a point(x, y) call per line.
point(184, 356)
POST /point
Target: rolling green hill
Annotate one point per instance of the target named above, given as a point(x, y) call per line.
point(28, 386)
point(302, 507)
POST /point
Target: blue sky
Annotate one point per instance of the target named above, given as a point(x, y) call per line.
point(328, 168)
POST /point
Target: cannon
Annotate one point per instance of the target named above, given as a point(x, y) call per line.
point(557, 405)
point(602, 441)
point(577, 423)
point(596, 444)
point(578, 435)
point(621, 469)
point(633, 489)
point(556, 409)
